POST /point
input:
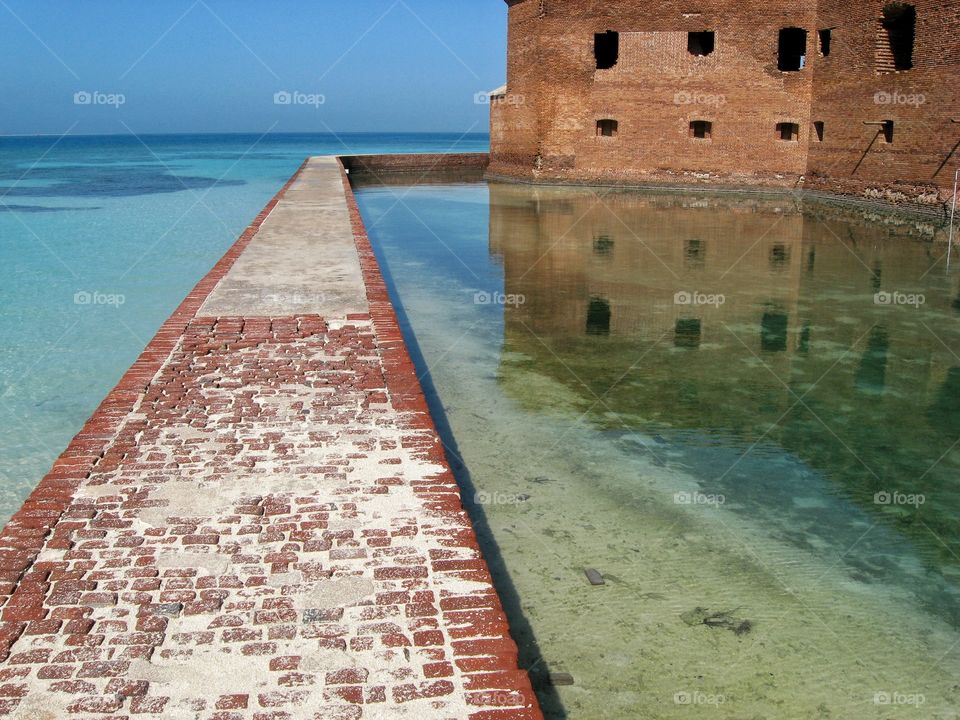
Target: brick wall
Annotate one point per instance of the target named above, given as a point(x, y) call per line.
point(545, 126)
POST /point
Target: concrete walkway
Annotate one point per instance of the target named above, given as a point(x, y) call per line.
point(259, 521)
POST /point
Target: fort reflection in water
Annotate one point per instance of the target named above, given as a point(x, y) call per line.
point(632, 349)
point(750, 322)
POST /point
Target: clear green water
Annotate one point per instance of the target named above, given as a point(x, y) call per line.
point(764, 456)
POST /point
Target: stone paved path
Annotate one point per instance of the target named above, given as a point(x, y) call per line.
point(259, 522)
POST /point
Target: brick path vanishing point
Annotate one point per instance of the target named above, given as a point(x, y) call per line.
point(259, 521)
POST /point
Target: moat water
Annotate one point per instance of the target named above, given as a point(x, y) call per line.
point(744, 414)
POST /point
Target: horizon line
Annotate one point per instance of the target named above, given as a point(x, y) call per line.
point(332, 133)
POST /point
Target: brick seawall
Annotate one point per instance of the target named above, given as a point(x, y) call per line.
point(259, 520)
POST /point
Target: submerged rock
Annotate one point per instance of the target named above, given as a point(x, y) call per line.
point(722, 619)
point(594, 576)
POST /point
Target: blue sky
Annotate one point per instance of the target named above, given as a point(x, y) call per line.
point(147, 66)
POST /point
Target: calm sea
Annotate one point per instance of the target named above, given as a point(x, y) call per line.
point(101, 238)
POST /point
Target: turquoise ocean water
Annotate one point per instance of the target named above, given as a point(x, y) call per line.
point(100, 239)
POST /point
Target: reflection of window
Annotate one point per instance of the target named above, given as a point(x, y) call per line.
point(872, 373)
point(779, 257)
point(876, 276)
point(606, 49)
point(792, 49)
point(598, 317)
point(773, 332)
point(694, 253)
point(603, 245)
point(804, 345)
point(687, 333)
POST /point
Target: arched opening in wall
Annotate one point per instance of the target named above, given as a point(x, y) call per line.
point(701, 43)
point(607, 128)
point(895, 37)
point(701, 129)
point(788, 131)
point(818, 129)
point(792, 49)
point(606, 49)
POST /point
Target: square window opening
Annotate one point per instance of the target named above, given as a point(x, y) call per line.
point(701, 43)
point(606, 49)
point(788, 131)
point(792, 49)
point(701, 129)
point(607, 128)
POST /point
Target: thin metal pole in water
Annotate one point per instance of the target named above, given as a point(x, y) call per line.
point(953, 212)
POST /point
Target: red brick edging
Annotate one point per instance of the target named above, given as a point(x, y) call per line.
point(37, 523)
point(443, 494)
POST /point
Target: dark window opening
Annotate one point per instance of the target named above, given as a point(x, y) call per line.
point(896, 36)
point(886, 131)
point(694, 253)
point(788, 131)
point(818, 129)
point(701, 43)
point(700, 129)
point(792, 49)
point(687, 333)
point(773, 332)
point(603, 245)
point(779, 257)
point(872, 374)
point(607, 128)
point(598, 317)
point(824, 37)
point(606, 49)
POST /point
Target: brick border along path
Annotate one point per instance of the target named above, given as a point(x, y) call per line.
point(258, 522)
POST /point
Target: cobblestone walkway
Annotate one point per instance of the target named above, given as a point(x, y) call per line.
point(269, 531)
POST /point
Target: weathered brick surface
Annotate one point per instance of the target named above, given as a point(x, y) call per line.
point(544, 128)
point(258, 523)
